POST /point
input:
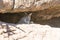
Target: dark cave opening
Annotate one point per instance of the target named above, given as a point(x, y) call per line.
point(11, 17)
point(14, 18)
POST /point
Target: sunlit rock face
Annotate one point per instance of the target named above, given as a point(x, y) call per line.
point(29, 32)
point(1, 2)
point(23, 3)
point(9, 2)
point(27, 5)
point(6, 4)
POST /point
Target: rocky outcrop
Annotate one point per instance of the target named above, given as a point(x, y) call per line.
point(30, 32)
point(45, 10)
point(26, 5)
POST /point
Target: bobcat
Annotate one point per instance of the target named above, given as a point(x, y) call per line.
point(26, 19)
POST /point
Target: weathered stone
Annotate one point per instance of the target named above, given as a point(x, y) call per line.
point(32, 32)
point(26, 5)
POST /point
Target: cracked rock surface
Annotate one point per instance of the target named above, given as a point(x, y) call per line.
point(29, 32)
point(26, 5)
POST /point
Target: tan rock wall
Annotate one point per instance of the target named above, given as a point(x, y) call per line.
point(26, 5)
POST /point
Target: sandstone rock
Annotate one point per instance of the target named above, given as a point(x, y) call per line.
point(26, 5)
point(32, 32)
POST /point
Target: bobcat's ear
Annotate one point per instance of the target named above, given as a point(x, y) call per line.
point(30, 14)
point(26, 14)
